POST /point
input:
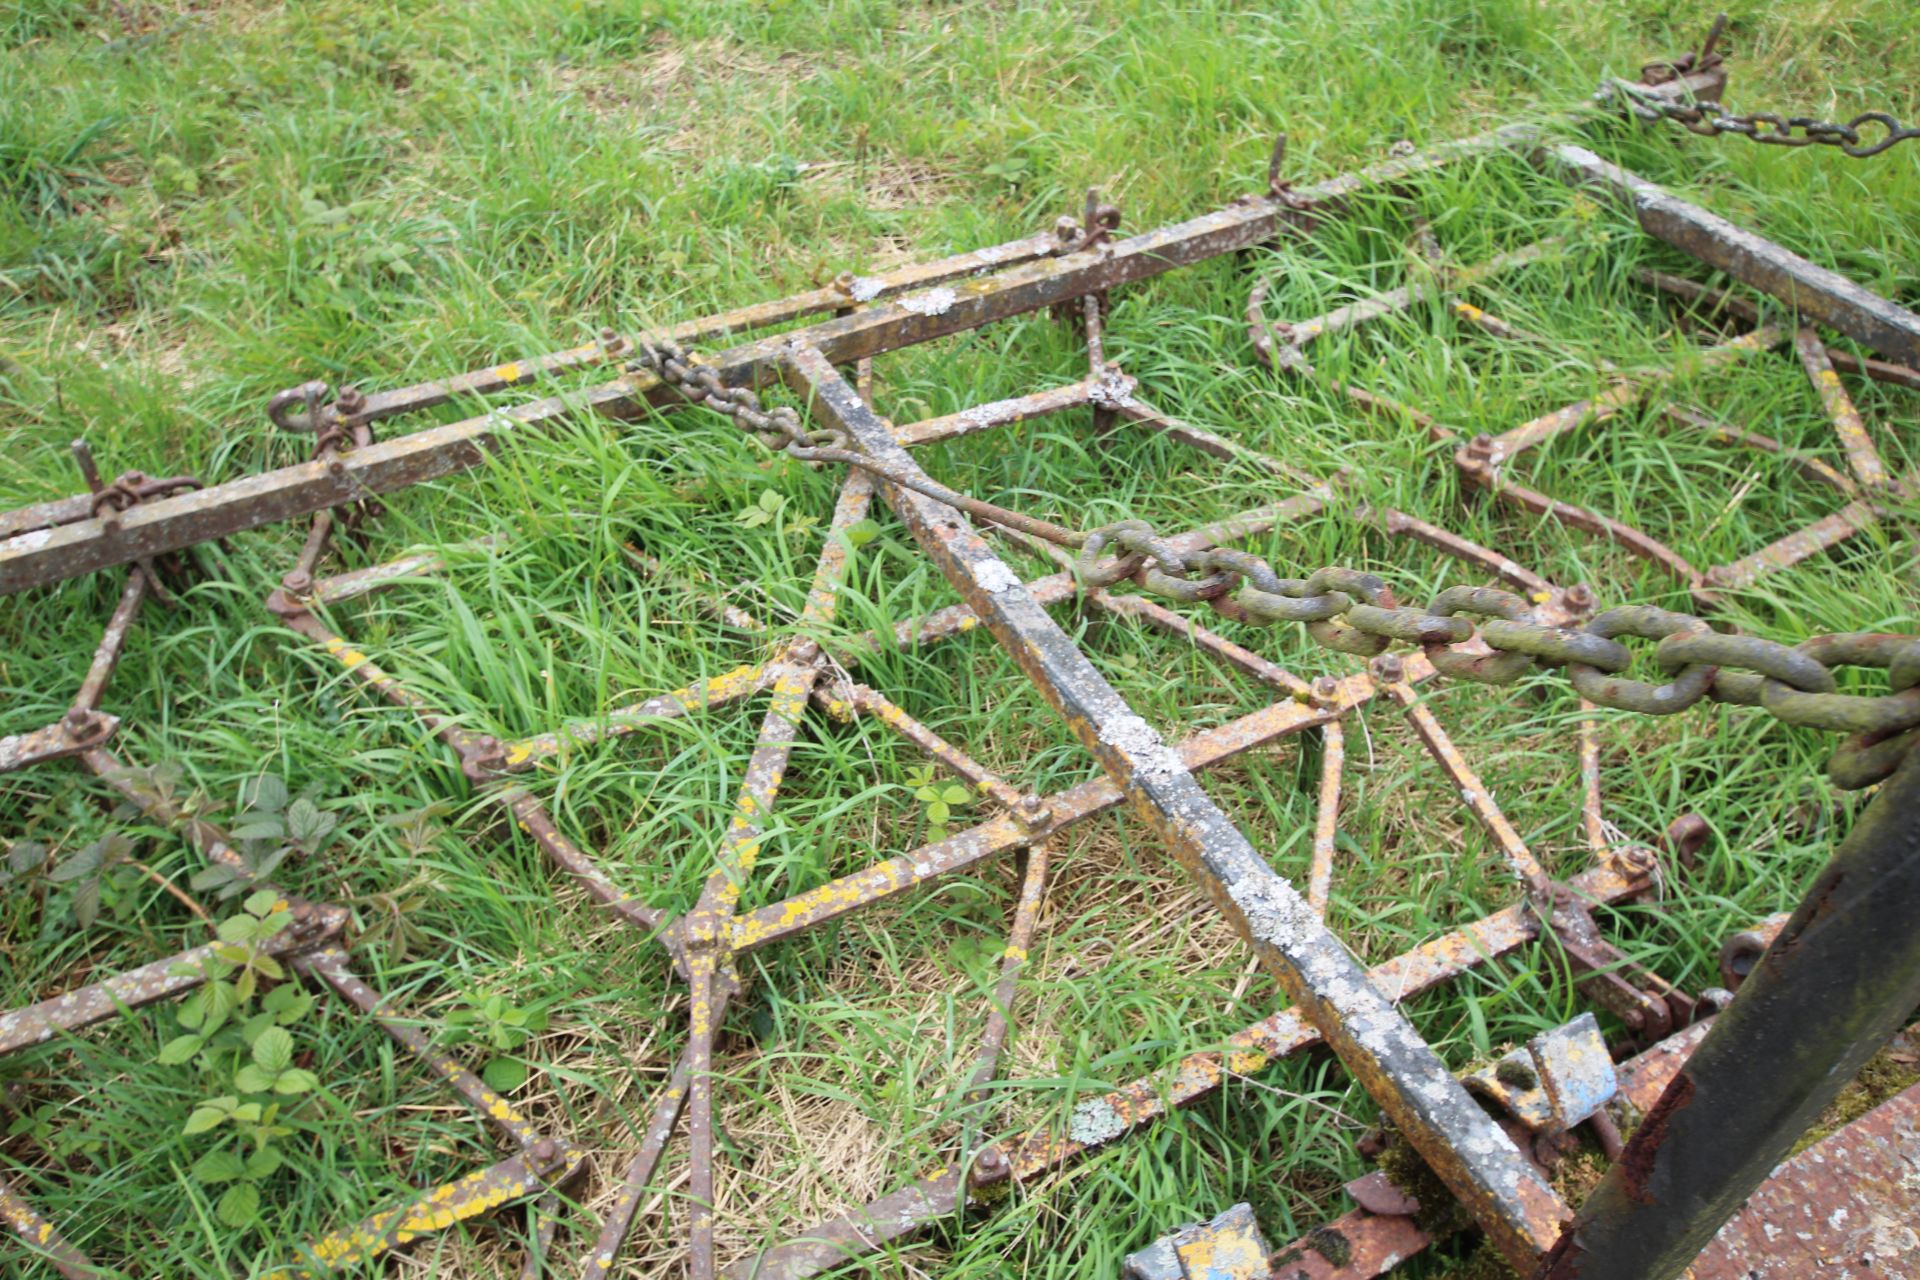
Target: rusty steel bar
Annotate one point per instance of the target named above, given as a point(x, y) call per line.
point(1805, 463)
point(1026, 919)
point(1847, 423)
point(532, 817)
point(1401, 525)
point(1005, 832)
point(542, 1163)
point(844, 700)
point(711, 694)
point(1839, 980)
point(999, 413)
point(150, 983)
point(1326, 815)
point(1206, 640)
point(706, 931)
point(1519, 1210)
point(1466, 783)
point(1817, 293)
point(1828, 531)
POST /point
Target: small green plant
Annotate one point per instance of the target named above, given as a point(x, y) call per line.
point(25, 863)
point(101, 871)
point(245, 1052)
point(501, 1027)
point(939, 799)
point(1009, 172)
point(268, 826)
point(763, 511)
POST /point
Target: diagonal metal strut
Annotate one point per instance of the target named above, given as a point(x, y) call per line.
point(1413, 1086)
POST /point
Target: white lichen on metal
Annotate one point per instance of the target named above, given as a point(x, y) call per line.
point(1094, 1122)
point(994, 576)
point(865, 288)
point(934, 302)
point(1148, 752)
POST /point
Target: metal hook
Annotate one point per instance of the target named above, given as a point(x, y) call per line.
point(298, 408)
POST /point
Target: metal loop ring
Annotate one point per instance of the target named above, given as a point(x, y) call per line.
point(1895, 133)
point(1409, 626)
point(1368, 587)
point(1867, 758)
point(1251, 569)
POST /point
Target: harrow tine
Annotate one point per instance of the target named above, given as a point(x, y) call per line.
point(626, 1203)
point(42, 1238)
point(1847, 423)
point(1326, 817)
point(1026, 919)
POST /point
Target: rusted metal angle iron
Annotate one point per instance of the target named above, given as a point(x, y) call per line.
point(55, 554)
point(1817, 293)
point(1520, 1211)
point(764, 315)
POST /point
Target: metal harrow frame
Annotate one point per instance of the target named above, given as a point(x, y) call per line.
point(1490, 1158)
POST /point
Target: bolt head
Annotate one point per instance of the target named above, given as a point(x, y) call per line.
point(1580, 595)
point(990, 1166)
point(298, 582)
point(1388, 669)
point(544, 1150)
point(76, 720)
point(1326, 690)
point(1032, 812)
point(352, 399)
point(1638, 858)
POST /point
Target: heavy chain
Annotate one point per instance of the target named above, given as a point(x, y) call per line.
point(1356, 613)
point(1768, 128)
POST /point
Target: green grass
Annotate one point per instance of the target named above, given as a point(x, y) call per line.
point(203, 205)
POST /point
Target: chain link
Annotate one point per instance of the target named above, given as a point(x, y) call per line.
point(1709, 119)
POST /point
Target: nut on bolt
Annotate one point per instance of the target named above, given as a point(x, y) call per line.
point(1325, 692)
point(991, 1166)
point(1032, 813)
point(1388, 669)
point(544, 1150)
point(351, 400)
point(611, 343)
point(1580, 596)
point(297, 583)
